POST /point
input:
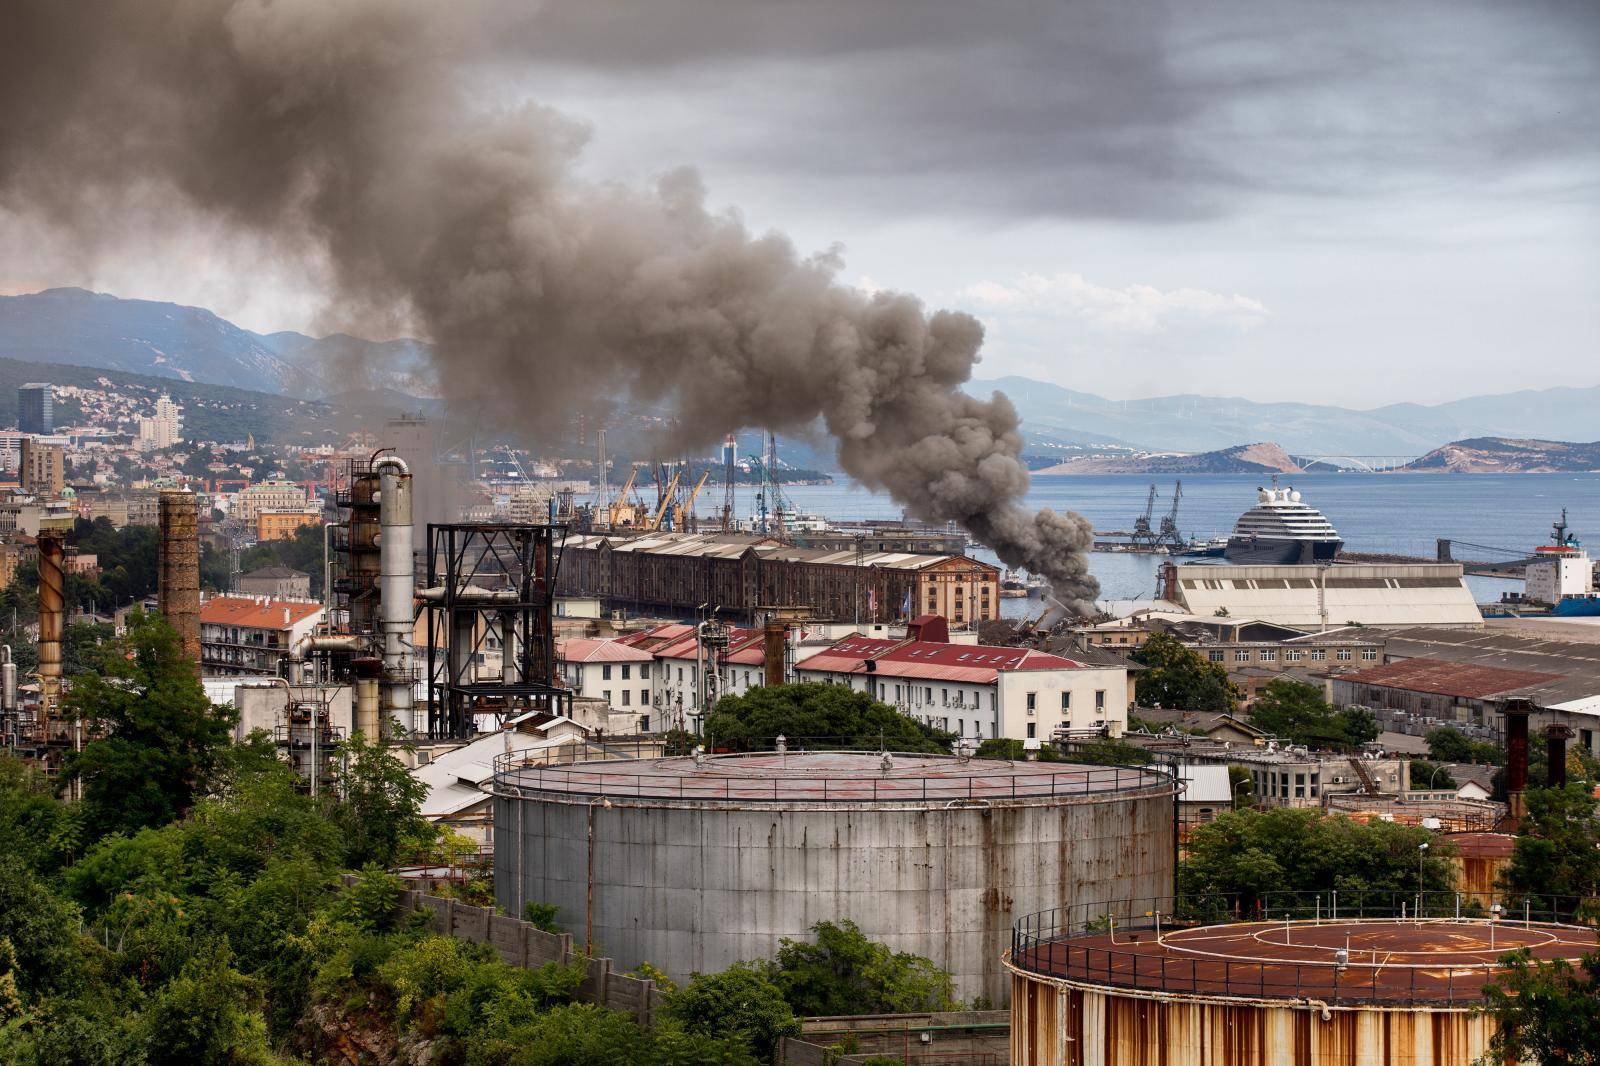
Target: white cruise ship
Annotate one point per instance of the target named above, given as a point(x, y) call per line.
point(1282, 529)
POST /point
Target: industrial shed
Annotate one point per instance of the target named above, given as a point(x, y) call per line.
point(1316, 597)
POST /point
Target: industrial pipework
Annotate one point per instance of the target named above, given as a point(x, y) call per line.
point(397, 586)
point(11, 730)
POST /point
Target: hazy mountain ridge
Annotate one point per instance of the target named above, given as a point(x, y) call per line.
point(76, 327)
point(1260, 458)
point(1192, 423)
point(1502, 455)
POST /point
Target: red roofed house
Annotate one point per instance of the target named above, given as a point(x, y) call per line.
point(678, 695)
point(252, 635)
point(610, 670)
point(975, 690)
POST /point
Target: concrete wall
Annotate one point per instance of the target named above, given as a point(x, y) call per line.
point(972, 1038)
point(696, 888)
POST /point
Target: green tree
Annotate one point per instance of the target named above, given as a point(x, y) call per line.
point(1180, 678)
point(1448, 744)
point(1254, 854)
point(1007, 748)
point(1430, 776)
point(1557, 851)
point(42, 930)
point(1109, 751)
point(1295, 711)
point(817, 716)
point(209, 1013)
point(1547, 1013)
point(1243, 786)
point(380, 813)
point(742, 1000)
point(163, 737)
point(842, 972)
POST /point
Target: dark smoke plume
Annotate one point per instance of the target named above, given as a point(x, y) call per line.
point(346, 134)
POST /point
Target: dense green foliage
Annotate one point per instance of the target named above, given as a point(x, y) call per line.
point(163, 737)
point(1558, 844)
point(1007, 748)
point(1108, 751)
point(1296, 712)
point(1548, 1013)
point(841, 972)
point(1448, 744)
point(816, 716)
point(1180, 678)
point(1255, 854)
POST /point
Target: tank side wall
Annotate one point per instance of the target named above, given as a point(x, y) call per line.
point(692, 889)
point(1057, 1025)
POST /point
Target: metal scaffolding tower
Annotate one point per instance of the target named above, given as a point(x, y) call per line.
point(491, 585)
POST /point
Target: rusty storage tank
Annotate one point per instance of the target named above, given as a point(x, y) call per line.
point(1329, 990)
point(692, 864)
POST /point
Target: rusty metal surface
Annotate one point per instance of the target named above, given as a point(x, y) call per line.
point(1055, 1024)
point(1435, 961)
point(830, 777)
point(178, 579)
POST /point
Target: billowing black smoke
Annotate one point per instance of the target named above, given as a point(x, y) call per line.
point(342, 133)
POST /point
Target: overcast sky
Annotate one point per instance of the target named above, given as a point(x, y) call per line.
point(1349, 202)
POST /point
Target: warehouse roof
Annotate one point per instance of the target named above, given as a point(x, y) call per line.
point(274, 572)
point(1446, 678)
point(1573, 666)
point(734, 545)
point(1310, 597)
point(256, 612)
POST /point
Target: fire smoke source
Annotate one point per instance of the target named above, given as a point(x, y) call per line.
point(343, 134)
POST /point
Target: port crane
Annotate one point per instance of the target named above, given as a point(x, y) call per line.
point(1141, 534)
point(1169, 534)
point(665, 498)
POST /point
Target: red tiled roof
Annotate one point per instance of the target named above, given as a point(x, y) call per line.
point(256, 612)
point(1443, 678)
point(744, 646)
point(593, 650)
point(656, 635)
point(976, 663)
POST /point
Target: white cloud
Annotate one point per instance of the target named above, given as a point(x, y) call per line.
point(1131, 309)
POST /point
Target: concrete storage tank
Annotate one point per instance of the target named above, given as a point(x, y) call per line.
point(1319, 990)
point(693, 865)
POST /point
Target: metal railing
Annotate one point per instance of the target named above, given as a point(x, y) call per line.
point(981, 781)
point(1080, 942)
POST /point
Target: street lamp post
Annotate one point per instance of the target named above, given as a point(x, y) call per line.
point(1422, 853)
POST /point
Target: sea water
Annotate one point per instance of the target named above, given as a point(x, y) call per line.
point(1402, 514)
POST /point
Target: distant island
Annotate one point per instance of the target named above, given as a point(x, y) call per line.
point(1507, 455)
point(1261, 458)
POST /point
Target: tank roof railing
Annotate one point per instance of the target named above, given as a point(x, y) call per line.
point(1079, 942)
point(520, 774)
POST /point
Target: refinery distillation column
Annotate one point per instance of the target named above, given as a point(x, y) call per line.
point(397, 588)
point(178, 583)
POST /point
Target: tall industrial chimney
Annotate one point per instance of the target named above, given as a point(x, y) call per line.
point(1555, 754)
point(178, 583)
point(1516, 712)
point(775, 644)
point(52, 546)
point(397, 587)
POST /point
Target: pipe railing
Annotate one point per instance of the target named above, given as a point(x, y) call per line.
point(980, 781)
point(1081, 942)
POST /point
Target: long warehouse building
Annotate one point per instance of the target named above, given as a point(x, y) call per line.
point(679, 572)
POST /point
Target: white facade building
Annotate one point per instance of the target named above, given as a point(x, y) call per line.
point(611, 671)
point(164, 429)
point(979, 691)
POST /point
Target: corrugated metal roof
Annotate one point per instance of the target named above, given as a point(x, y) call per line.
point(1444, 678)
point(732, 546)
